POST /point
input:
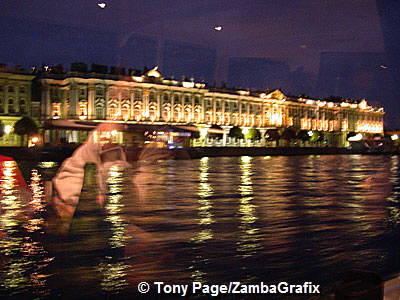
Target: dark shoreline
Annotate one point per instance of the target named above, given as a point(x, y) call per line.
point(58, 154)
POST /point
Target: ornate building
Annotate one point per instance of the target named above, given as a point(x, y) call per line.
point(152, 99)
point(15, 102)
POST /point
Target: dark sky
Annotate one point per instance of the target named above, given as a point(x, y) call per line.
point(295, 33)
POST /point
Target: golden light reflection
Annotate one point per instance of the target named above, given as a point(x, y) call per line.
point(248, 243)
point(9, 197)
point(36, 202)
point(114, 207)
point(22, 269)
point(114, 278)
point(115, 274)
point(205, 217)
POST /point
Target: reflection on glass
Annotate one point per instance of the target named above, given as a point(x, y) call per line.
point(248, 240)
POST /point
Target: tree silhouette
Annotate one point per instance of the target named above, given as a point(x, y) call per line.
point(253, 134)
point(25, 126)
point(236, 132)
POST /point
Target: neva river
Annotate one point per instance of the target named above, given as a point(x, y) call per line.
point(214, 220)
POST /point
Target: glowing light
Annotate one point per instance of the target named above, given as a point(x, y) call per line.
point(203, 131)
point(35, 139)
point(101, 5)
point(154, 73)
point(355, 138)
point(310, 133)
point(394, 137)
point(114, 132)
point(7, 129)
point(47, 164)
point(218, 28)
point(188, 84)
point(245, 131)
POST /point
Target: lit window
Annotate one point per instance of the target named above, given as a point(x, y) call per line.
point(56, 106)
point(82, 110)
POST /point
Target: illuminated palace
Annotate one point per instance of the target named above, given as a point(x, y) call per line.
point(150, 98)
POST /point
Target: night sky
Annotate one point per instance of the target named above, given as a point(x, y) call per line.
point(320, 48)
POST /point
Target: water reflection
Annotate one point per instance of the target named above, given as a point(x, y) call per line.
point(114, 274)
point(22, 258)
point(205, 218)
point(249, 242)
point(213, 220)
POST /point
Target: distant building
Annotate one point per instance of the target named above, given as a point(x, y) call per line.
point(151, 99)
point(15, 102)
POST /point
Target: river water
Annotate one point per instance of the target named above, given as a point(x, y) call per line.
point(213, 220)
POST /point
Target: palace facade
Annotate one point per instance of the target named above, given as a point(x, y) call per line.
point(150, 98)
point(15, 102)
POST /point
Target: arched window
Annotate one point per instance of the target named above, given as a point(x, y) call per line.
point(176, 99)
point(56, 110)
point(137, 111)
point(166, 98)
point(126, 109)
point(197, 114)
point(177, 112)
point(99, 109)
point(83, 110)
point(153, 111)
point(166, 112)
point(113, 113)
point(187, 114)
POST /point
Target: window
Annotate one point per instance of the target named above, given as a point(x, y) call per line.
point(83, 110)
point(11, 89)
point(22, 90)
point(166, 98)
point(1, 106)
point(176, 99)
point(138, 95)
point(100, 109)
point(11, 108)
point(99, 91)
point(56, 113)
point(187, 100)
point(152, 97)
point(22, 107)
